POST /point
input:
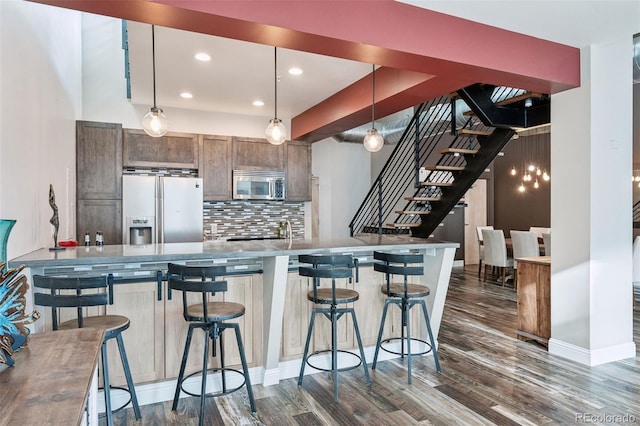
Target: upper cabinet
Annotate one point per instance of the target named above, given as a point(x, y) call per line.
point(215, 167)
point(98, 160)
point(257, 154)
point(298, 161)
point(174, 150)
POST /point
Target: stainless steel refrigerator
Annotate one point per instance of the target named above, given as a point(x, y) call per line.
point(158, 209)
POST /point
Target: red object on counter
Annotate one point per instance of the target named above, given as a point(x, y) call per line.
point(68, 243)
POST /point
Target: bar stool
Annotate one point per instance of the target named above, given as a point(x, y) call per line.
point(209, 317)
point(65, 292)
point(405, 296)
point(333, 267)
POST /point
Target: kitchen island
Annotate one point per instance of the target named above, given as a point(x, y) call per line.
point(268, 285)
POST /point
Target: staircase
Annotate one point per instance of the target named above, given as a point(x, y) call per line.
point(448, 144)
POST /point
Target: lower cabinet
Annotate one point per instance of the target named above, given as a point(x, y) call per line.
point(156, 337)
point(100, 215)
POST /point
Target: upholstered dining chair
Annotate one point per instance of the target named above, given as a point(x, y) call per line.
point(539, 230)
point(481, 246)
point(525, 244)
point(495, 252)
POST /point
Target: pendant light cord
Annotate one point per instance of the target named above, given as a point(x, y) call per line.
point(275, 79)
point(153, 59)
point(373, 92)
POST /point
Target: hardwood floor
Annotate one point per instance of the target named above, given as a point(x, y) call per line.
point(488, 377)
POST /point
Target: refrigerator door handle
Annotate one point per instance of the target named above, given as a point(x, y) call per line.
point(160, 210)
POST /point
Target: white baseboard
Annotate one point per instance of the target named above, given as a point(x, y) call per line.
point(592, 357)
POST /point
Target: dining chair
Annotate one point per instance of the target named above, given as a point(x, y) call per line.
point(546, 239)
point(525, 244)
point(481, 246)
point(539, 230)
point(495, 252)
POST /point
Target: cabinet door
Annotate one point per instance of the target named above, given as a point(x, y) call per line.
point(174, 150)
point(370, 305)
point(298, 171)
point(297, 311)
point(98, 161)
point(100, 215)
point(257, 154)
point(322, 326)
point(215, 167)
point(144, 339)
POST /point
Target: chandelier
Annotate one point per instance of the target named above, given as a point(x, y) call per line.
point(531, 174)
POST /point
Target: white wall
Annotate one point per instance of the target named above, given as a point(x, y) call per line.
point(40, 82)
point(344, 171)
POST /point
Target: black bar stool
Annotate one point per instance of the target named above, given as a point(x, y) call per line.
point(209, 317)
point(405, 296)
point(68, 293)
point(331, 266)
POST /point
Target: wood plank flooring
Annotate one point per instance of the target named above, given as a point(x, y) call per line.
point(488, 377)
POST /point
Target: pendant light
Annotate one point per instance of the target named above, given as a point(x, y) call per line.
point(155, 123)
point(276, 132)
point(373, 142)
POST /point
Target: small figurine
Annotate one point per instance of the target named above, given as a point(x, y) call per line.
point(55, 221)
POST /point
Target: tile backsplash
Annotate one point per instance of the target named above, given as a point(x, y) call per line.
point(252, 218)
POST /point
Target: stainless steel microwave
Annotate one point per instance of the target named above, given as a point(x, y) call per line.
point(258, 185)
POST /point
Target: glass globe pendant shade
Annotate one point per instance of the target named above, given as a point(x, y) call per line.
point(513, 171)
point(276, 132)
point(521, 187)
point(545, 176)
point(155, 123)
point(374, 141)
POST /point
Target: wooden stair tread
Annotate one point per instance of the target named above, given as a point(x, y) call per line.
point(436, 183)
point(412, 212)
point(422, 198)
point(445, 168)
point(518, 98)
point(471, 132)
point(403, 225)
point(458, 151)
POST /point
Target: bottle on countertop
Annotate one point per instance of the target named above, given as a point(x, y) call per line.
point(99, 238)
point(87, 239)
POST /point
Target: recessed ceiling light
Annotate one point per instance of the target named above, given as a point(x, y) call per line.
point(295, 71)
point(204, 57)
point(258, 103)
point(186, 95)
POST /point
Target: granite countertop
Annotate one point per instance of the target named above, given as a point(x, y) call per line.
point(217, 249)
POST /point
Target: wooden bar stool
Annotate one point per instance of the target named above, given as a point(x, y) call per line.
point(405, 296)
point(333, 267)
point(210, 317)
point(68, 293)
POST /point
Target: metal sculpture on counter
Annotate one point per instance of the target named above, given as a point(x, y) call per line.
point(55, 221)
point(13, 319)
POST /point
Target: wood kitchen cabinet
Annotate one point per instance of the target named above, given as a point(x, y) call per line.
point(98, 160)
point(173, 150)
point(257, 154)
point(99, 180)
point(534, 299)
point(298, 168)
point(100, 215)
point(215, 166)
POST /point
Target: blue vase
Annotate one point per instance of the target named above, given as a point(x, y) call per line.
point(5, 230)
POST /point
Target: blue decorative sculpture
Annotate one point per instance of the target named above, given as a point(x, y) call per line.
point(13, 319)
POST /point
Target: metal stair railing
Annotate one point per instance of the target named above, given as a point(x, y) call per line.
point(429, 123)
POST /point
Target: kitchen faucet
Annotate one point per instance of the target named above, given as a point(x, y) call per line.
point(288, 232)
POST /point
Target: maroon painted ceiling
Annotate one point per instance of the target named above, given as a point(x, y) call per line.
point(423, 54)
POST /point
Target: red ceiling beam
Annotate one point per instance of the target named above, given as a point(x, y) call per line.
point(383, 32)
